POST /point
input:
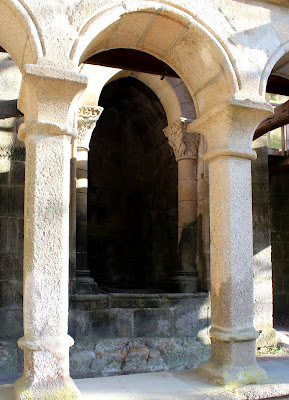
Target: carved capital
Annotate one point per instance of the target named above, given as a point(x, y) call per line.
point(184, 144)
point(86, 121)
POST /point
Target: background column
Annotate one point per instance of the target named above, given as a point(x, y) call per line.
point(185, 147)
point(229, 129)
point(86, 120)
point(47, 101)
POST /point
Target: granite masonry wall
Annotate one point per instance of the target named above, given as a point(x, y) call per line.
point(130, 333)
point(262, 237)
point(279, 195)
point(12, 157)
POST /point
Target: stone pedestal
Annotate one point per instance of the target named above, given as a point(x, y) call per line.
point(229, 129)
point(47, 94)
point(185, 147)
point(87, 118)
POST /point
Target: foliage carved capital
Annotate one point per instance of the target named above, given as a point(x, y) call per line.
point(184, 144)
point(86, 121)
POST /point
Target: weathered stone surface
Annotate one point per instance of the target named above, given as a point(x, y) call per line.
point(11, 326)
point(123, 300)
point(267, 338)
point(11, 362)
point(153, 323)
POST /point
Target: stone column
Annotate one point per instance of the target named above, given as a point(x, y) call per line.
point(229, 129)
point(185, 147)
point(48, 99)
point(86, 121)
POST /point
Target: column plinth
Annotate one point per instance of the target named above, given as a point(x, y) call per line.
point(86, 120)
point(185, 146)
point(46, 232)
point(229, 130)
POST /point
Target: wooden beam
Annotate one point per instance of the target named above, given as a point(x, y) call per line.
point(132, 60)
point(277, 85)
point(276, 120)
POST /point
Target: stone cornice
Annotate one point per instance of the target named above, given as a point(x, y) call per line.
point(184, 144)
point(87, 117)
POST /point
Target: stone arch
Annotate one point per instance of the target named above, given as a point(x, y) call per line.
point(172, 92)
point(187, 46)
point(281, 52)
point(19, 33)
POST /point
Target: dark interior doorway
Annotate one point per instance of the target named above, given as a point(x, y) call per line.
point(132, 194)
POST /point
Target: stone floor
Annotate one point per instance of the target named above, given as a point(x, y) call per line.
point(185, 385)
point(180, 385)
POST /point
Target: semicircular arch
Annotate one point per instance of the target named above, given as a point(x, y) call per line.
point(280, 52)
point(19, 33)
point(170, 35)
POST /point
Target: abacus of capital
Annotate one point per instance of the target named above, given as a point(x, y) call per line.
point(87, 117)
point(228, 129)
point(185, 148)
point(47, 94)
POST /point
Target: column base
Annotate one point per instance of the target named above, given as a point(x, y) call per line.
point(65, 390)
point(84, 283)
point(185, 282)
point(232, 375)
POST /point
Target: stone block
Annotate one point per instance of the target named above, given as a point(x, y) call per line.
point(20, 235)
point(263, 290)
point(80, 362)
point(16, 201)
point(181, 353)
point(140, 358)
point(185, 300)
point(260, 193)
point(261, 215)
point(11, 293)
point(76, 324)
point(4, 201)
point(3, 235)
point(121, 322)
point(17, 173)
point(262, 261)
point(11, 266)
point(10, 363)
point(263, 316)
point(267, 338)
point(260, 172)
point(12, 231)
point(190, 323)
point(90, 302)
point(127, 300)
point(11, 326)
point(97, 323)
point(153, 323)
point(4, 171)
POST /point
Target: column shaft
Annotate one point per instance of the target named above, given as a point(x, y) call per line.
point(47, 94)
point(233, 335)
point(185, 147)
point(87, 118)
point(229, 129)
point(46, 250)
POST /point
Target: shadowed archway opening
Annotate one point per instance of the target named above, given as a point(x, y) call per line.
point(132, 194)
